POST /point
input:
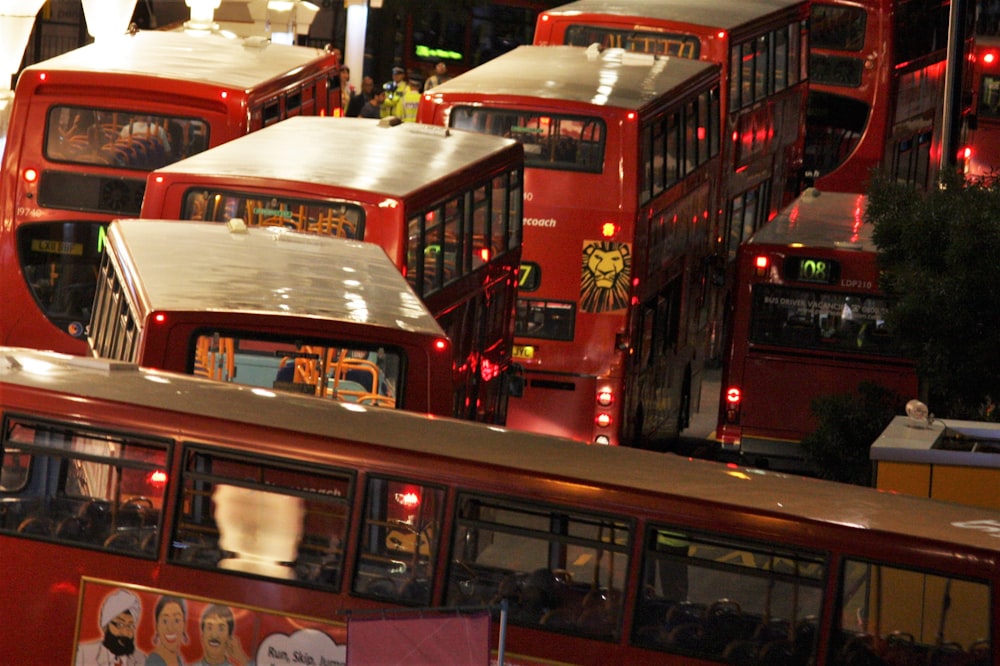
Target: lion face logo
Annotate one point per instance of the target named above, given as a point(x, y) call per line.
point(605, 276)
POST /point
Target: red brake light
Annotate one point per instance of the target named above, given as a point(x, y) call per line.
point(410, 499)
point(441, 344)
point(733, 398)
point(989, 57)
point(157, 478)
point(603, 420)
point(605, 397)
point(30, 175)
point(159, 318)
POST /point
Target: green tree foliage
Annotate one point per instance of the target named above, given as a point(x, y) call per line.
point(939, 253)
point(848, 424)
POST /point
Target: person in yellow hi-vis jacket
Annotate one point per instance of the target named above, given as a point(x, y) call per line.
point(395, 90)
point(410, 101)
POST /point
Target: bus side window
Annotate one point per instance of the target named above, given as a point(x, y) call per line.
point(86, 487)
point(399, 541)
point(263, 519)
point(559, 571)
point(726, 600)
point(953, 628)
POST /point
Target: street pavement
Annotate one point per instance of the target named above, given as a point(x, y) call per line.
point(696, 440)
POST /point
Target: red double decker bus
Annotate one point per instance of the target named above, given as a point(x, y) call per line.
point(85, 129)
point(808, 320)
point(762, 50)
point(877, 90)
point(445, 205)
point(270, 308)
point(984, 143)
point(127, 490)
point(621, 163)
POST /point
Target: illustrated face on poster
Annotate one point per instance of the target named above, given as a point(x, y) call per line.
point(605, 276)
point(122, 622)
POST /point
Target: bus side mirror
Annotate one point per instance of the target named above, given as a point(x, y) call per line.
point(515, 380)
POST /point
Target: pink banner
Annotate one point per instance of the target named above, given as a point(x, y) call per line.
point(437, 640)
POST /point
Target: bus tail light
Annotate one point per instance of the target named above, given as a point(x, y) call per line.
point(760, 265)
point(409, 499)
point(157, 478)
point(734, 398)
point(605, 397)
point(30, 175)
point(441, 344)
point(603, 420)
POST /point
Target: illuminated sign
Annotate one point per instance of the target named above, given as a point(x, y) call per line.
point(424, 51)
point(530, 278)
point(812, 269)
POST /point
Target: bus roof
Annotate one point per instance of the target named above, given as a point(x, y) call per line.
point(204, 266)
point(588, 468)
point(820, 219)
point(611, 78)
point(209, 59)
point(352, 153)
point(725, 14)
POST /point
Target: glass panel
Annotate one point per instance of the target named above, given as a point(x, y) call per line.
point(806, 319)
point(263, 519)
point(894, 616)
point(639, 41)
point(559, 570)
point(399, 541)
point(328, 218)
point(781, 77)
point(549, 320)
point(721, 599)
point(515, 210)
point(87, 487)
point(837, 28)
point(335, 370)
point(569, 143)
point(120, 138)
point(60, 260)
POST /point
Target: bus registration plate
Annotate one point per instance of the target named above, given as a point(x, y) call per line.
point(524, 351)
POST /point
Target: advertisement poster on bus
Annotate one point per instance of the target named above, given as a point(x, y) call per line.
point(135, 626)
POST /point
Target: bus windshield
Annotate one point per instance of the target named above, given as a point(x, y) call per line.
point(345, 373)
point(328, 218)
point(806, 319)
point(123, 139)
point(640, 41)
point(551, 141)
point(60, 261)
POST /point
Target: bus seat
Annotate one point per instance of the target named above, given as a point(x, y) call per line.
point(73, 528)
point(345, 390)
point(126, 541)
point(36, 526)
point(383, 587)
point(686, 636)
point(376, 400)
point(334, 224)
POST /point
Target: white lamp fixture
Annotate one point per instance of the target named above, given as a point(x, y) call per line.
point(107, 18)
point(285, 16)
point(202, 16)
